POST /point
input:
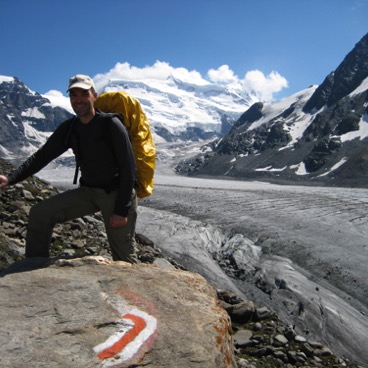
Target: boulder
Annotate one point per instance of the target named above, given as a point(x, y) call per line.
point(92, 312)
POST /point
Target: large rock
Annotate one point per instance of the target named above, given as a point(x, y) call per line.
point(91, 312)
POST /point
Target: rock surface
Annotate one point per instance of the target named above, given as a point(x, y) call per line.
point(90, 312)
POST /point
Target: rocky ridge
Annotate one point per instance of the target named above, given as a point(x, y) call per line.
point(25, 116)
point(260, 338)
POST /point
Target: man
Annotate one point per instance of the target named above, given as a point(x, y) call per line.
point(104, 154)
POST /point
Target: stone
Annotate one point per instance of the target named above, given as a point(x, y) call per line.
point(300, 339)
point(163, 263)
point(280, 340)
point(243, 338)
point(257, 326)
point(315, 344)
point(278, 354)
point(307, 349)
point(259, 353)
point(229, 297)
point(74, 307)
point(242, 312)
point(262, 313)
point(292, 357)
point(301, 357)
point(27, 194)
point(325, 351)
point(78, 243)
point(290, 334)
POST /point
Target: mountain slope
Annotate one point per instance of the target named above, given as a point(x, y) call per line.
point(181, 110)
point(26, 118)
point(318, 135)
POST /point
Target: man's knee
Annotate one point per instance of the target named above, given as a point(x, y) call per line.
point(37, 212)
point(46, 213)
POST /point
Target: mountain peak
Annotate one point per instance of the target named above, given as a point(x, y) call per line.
point(181, 109)
point(344, 80)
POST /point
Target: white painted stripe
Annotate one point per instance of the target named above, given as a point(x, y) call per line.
point(124, 325)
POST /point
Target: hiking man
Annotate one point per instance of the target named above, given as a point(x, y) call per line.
point(104, 154)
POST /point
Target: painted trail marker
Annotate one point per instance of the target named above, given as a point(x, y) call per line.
point(134, 329)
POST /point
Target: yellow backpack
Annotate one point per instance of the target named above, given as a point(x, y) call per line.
point(136, 122)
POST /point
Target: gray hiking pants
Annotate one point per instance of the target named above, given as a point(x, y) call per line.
point(76, 203)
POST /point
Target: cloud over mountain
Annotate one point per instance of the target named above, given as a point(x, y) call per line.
point(264, 86)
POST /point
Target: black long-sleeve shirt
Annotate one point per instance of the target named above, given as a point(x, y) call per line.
point(102, 149)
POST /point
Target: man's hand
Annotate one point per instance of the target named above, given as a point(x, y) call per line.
point(117, 221)
point(4, 181)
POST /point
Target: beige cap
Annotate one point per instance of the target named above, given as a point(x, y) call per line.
point(81, 81)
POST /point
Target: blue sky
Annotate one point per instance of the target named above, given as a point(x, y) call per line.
point(270, 44)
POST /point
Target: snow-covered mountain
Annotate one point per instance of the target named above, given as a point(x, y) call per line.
point(318, 135)
point(26, 118)
point(186, 111)
point(177, 111)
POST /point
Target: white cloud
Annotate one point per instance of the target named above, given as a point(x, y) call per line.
point(158, 71)
point(264, 86)
point(58, 99)
point(222, 75)
point(53, 93)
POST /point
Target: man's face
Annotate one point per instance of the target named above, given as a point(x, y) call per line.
point(82, 101)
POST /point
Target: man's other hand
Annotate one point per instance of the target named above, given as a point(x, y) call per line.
point(117, 221)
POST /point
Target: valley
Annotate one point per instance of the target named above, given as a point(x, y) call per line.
point(303, 250)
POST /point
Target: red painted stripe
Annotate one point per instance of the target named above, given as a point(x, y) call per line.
point(139, 325)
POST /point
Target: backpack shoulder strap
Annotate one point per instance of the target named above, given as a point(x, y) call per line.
point(107, 133)
point(109, 115)
point(70, 130)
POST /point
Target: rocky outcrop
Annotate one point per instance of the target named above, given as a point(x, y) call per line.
point(89, 312)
